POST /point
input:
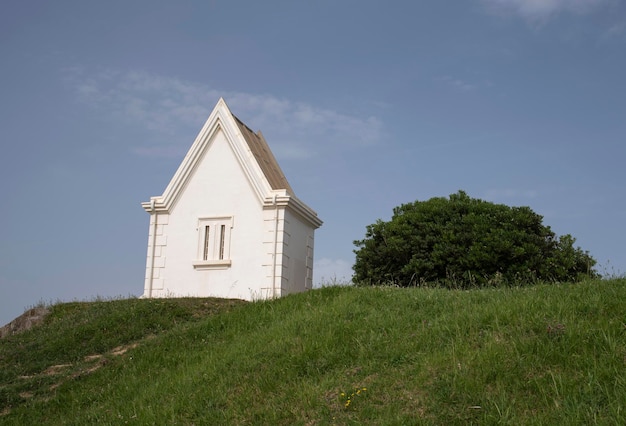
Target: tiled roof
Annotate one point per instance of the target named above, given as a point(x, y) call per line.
point(264, 157)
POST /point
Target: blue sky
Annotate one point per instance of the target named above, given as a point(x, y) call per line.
point(366, 105)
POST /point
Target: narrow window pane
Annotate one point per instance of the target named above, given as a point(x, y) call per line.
point(206, 243)
point(222, 232)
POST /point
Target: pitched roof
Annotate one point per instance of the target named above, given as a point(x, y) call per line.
point(264, 157)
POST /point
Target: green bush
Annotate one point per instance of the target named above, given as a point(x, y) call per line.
point(464, 242)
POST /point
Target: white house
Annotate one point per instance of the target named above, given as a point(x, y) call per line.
point(228, 223)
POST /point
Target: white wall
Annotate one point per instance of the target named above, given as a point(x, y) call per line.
point(297, 255)
point(217, 188)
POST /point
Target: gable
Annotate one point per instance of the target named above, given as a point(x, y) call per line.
point(217, 181)
point(255, 159)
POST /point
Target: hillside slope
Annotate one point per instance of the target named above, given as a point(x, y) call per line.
point(339, 355)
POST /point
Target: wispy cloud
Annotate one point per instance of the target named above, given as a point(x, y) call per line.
point(165, 105)
point(615, 31)
point(457, 83)
point(540, 10)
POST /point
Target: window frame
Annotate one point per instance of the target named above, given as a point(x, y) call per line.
point(214, 237)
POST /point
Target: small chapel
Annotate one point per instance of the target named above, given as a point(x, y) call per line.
point(229, 224)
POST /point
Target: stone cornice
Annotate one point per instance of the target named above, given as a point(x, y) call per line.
point(294, 204)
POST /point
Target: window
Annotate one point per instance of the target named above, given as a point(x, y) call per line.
point(214, 242)
point(222, 232)
point(207, 234)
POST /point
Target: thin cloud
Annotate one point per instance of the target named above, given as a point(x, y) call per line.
point(540, 10)
point(300, 130)
point(616, 31)
point(167, 107)
point(457, 83)
point(158, 104)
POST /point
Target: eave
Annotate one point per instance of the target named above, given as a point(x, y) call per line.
point(294, 204)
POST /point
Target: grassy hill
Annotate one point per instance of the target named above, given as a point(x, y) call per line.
point(339, 355)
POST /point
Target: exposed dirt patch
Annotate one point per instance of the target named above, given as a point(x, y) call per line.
point(92, 357)
point(74, 371)
point(55, 369)
point(26, 321)
point(120, 350)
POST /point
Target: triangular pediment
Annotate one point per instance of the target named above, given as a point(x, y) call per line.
point(253, 155)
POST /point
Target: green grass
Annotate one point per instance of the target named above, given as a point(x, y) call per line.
point(546, 354)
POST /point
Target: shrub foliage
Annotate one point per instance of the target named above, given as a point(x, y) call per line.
point(464, 242)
